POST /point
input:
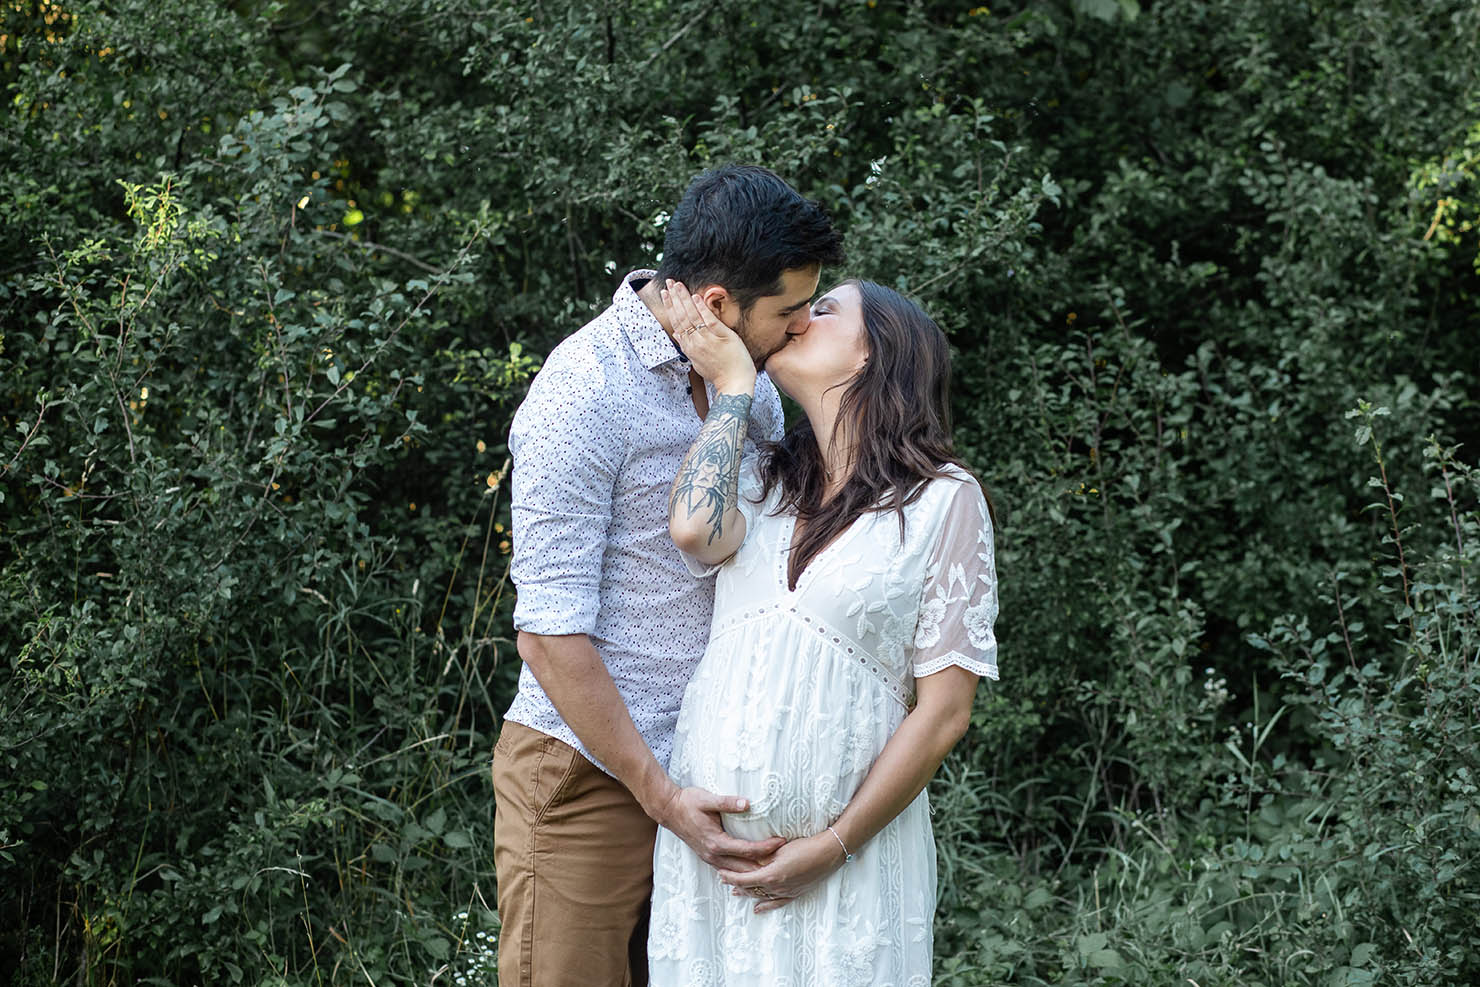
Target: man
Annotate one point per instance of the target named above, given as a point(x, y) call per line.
point(611, 624)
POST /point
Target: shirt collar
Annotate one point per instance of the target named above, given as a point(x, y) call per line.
point(644, 332)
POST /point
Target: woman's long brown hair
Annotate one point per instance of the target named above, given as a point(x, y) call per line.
point(897, 408)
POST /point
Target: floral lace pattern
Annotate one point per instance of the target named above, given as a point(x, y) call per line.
point(795, 697)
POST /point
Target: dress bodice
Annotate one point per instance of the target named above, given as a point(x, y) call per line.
point(882, 594)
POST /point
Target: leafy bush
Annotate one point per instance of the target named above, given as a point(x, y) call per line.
point(276, 276)
point(247, 713)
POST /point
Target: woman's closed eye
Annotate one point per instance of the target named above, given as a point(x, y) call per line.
point(826, 305)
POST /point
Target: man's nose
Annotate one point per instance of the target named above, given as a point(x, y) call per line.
point(799, 323)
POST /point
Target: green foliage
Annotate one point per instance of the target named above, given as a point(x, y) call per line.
point(276, 275)
point(258, 614)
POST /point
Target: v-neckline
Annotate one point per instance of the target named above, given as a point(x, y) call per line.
point(785, 564)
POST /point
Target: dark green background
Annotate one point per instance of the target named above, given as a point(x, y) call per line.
point(273, 277)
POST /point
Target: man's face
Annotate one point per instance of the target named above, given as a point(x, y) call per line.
point(769, 323)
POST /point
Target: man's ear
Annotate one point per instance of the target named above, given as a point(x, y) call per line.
point(721, 304)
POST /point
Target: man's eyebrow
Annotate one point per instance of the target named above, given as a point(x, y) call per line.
point(797, 307)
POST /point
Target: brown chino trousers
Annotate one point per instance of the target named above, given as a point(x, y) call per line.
point(573, 853)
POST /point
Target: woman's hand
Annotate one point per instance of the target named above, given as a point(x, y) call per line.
point(789, 872)
point(714, 350)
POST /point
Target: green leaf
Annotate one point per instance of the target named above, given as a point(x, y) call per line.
point(1091, 943)
point(436, 821)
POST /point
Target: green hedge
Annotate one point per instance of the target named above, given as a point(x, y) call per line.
point(273, 277)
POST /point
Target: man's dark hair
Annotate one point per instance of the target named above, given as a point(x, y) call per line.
point(741, 227)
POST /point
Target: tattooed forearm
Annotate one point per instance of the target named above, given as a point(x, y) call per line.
point(708, 482)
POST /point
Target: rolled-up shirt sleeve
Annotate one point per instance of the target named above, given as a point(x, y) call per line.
point(567, 451)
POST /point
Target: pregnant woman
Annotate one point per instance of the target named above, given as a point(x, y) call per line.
point(853, 617)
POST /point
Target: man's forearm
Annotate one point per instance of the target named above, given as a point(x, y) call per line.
point(575, 678)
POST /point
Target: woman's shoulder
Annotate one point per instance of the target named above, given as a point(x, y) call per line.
point(957, 473)
point(752, 488)
point(955, 494)
point(954, 481)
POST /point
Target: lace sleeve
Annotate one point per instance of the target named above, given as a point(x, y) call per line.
point(959, 605)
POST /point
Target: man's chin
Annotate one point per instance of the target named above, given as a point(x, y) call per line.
point(761, 361)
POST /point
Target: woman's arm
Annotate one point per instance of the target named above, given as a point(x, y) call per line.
point(906, 764)
point(704, 506)
point(909, 760)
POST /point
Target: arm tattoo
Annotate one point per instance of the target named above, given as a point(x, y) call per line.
point(709, 479)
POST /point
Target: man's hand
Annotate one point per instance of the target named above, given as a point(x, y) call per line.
point(692, 814)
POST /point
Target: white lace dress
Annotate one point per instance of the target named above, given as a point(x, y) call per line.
point(793, 701)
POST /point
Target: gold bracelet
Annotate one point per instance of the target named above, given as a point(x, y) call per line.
point(847, 854)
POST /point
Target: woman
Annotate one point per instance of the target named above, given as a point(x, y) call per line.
point(853, 616)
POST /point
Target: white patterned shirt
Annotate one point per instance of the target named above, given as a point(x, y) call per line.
point(595, 446)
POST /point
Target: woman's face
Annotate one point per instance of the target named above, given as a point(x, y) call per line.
point(829, 350)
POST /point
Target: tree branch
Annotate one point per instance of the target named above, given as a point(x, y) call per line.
point(367, 245)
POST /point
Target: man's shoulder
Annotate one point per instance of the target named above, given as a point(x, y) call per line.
point(588, 374)
point(766, 412)
point(591, 351)
point(593, 357)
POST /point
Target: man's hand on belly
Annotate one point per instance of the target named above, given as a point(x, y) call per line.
point(692, 814)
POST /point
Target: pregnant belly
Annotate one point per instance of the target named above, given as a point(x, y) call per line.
point(797, 771)
point(776, 719)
